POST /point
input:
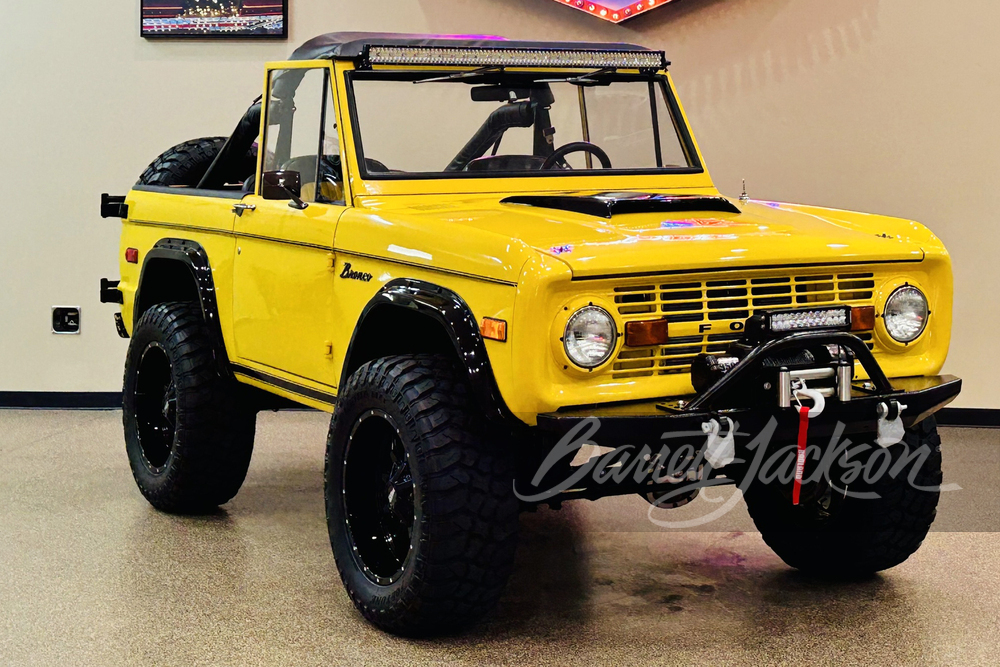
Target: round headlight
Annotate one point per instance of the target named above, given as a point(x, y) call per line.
point(590, 336)
point(905, 314)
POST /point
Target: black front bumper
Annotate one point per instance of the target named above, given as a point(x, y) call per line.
point(646, 422)
point(655, 431)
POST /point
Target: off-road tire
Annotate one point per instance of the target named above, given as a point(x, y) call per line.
point(213, 431)
point(186, 163)
point(862, 536)
point(464, 533)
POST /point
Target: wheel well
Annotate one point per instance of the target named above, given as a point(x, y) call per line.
point(390, 330)
point(165, 280)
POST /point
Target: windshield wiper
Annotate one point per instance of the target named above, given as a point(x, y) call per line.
point(463, 75)
point(583, 79)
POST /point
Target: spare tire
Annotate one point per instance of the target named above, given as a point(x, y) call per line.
point(186, 163)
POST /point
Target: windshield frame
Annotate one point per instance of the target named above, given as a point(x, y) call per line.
point(410, 74)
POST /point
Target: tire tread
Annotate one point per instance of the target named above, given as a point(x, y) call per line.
point(213, 440)
point(876, 534)
point(467, 549)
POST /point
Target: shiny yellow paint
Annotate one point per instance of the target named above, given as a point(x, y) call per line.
point(285, 312)
point(154, 216)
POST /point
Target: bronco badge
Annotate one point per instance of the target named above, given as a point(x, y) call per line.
point(354, 275)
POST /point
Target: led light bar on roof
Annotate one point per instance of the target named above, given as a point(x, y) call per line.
point(500, 57)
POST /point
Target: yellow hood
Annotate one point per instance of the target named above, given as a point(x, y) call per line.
point(763, 234)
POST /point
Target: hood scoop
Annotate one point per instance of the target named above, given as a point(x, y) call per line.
point(608, 204)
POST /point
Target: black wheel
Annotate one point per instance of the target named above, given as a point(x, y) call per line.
point(188, 438)
point(419, 498)
point(186, 163)
point(836, 534)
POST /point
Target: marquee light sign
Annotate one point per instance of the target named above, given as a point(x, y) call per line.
point(615, 11)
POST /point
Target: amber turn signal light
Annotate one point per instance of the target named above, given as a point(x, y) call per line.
point(645, 333)
point(132, 255)
point(862, 318)
point(494, 329)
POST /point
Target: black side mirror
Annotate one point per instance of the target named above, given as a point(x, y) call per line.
point(283, 185)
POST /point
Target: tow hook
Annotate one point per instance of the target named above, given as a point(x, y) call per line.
point(799, 389)
point(890, 423)
point(719, 451)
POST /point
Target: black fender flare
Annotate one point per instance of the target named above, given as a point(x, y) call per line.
point(450, 311)
point(193, 256)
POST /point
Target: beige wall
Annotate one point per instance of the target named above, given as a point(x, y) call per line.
point(887, 106)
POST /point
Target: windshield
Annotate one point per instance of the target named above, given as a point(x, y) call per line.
point(490, 123)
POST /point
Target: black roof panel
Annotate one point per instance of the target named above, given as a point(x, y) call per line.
point(350, 45)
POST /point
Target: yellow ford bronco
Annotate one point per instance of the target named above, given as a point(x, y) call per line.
point(481, 255)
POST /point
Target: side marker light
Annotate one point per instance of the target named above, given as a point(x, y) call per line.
point(494, 329)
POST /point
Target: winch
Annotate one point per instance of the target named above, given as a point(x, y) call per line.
point(827, 368)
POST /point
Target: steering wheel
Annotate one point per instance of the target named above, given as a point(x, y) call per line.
point(576, 147)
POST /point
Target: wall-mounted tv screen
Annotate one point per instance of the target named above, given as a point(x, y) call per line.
point(214, 18)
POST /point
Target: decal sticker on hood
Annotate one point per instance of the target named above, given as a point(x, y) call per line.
point(696, 237)
point(683, 237)
point(700, 222)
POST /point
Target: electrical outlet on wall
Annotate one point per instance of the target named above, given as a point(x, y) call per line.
point(65, 319)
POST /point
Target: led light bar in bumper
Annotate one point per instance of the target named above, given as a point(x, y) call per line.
point(499, 57)
point(809, 320)
point(839, 318)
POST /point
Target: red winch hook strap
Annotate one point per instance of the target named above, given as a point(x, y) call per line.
point(800, 459)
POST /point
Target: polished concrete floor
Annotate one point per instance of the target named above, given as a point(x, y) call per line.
point(91, 575)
